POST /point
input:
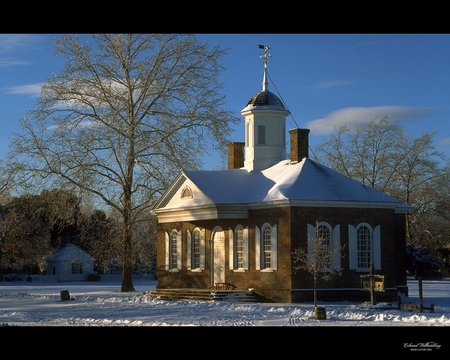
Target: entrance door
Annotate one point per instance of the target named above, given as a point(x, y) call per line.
point(219, 257)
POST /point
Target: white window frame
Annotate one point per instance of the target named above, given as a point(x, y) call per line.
point(186, 193)
point(189, 250)
point(259, 261)
point(168, 250)
point(335, 240)
point(233, 249)
point(353, 248)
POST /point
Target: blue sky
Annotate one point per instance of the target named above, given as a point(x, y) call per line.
point(325, 80)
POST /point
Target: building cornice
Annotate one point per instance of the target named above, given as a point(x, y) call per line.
point(398, 207)
point(240, 210)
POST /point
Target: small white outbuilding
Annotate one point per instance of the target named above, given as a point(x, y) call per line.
point(70, 263)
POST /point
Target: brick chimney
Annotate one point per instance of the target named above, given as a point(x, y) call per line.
point(235, 155)
point(299, 144)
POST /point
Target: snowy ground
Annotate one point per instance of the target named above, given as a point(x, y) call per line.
point(101, 304)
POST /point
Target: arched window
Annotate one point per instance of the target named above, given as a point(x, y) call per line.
point(238, 254)
point(239, 247)
point(330, 240)
point(364, 247)
point(195, 249)
point(324, 234)
point(173, 250)
point(266, 247)
point(186, 192)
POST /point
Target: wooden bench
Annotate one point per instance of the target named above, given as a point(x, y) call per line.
point(224, 286)
point(416, 307)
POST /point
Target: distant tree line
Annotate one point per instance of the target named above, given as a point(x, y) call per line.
point(32, 226)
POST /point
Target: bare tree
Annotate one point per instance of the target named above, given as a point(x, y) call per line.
point(126, 113)
point(381, 156)
point(365, 153)
point(418, 184)
point(319, 259)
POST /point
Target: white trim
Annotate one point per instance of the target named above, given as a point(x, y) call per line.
point(235, 211)
point(167, 250)
point(202, 249)
point(336, 241)
point(257, 248)
point(179, 246)
point(376, 236)
point(246, 252)
point(331, 203)
point(231, 249)
point(311, 234)
point(188, 249)
point(274, 247)
point(375, 244)
point(352, 250)
point(240, 210)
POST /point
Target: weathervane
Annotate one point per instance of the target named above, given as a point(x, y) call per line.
point(266, 57)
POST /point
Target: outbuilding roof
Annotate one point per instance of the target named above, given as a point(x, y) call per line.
point(70, 252)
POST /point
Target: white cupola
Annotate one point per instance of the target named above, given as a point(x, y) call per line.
point(265, 126)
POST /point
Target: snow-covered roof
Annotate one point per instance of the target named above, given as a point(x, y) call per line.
point(265, 100)
point(305, 180)
point(70, 252)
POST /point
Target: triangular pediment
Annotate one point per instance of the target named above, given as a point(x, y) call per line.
point(183, 194)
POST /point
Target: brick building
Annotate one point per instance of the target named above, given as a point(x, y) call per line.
point(241, 225)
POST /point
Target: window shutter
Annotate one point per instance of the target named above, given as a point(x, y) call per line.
point(202, 249)
point(245, 235)
point(337, 246)
point(257, 248)
point(188, 249)
point(274, 248)
point(230, 249)
point(311, 237)
point(377, 248)
point(167, 250)
point(179, 250)
point(352, 247)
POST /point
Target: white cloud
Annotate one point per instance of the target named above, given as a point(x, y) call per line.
point(30, 89)
point(331, 83)
point(82, 124)
point(354, 116)
point(13, 62)
point(444, 142)
point(18, 42)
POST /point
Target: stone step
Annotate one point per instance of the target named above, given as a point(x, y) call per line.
point(202, 295)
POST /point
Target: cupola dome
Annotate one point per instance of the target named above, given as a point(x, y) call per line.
point(265, 98)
